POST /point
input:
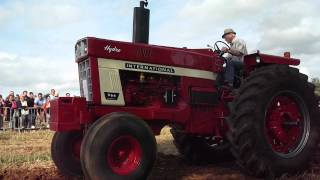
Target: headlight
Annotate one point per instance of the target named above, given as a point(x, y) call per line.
point(81, 48)
point(258, 59)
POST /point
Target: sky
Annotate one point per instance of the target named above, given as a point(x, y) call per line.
point(37, 37)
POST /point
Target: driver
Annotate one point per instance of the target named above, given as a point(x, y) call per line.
point(234, 55)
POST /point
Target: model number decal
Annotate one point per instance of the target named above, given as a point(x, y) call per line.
point(111, 95)
point(149, 68)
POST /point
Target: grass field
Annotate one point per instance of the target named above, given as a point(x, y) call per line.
point(27, 156)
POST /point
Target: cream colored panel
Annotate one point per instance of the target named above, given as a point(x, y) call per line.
point(155, 68)
point(110, 87)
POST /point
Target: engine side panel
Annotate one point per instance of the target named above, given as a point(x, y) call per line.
point(110, 82)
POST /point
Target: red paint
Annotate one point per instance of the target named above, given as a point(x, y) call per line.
point(283, 110)
point(67, 113)
point(251, 63)
point(146, 99)
point(162, 55)
point(124, 155)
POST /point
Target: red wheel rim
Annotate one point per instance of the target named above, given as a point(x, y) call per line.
point(124, 155)
point(286, 124)
point(76, 146)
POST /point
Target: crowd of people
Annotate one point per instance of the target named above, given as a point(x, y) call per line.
point(25, 110)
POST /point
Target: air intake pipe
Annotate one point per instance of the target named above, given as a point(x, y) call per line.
point(141, 18)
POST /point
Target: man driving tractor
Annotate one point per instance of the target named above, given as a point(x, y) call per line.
point(234, 56)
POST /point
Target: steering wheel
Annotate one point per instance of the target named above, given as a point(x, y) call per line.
point(216, 47)
point(218, 50)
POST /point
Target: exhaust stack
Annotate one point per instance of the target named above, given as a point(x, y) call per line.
point(141, 18)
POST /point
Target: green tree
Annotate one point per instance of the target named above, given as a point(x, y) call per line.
point(316, 82)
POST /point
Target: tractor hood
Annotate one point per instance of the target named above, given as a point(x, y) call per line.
point(202, 59)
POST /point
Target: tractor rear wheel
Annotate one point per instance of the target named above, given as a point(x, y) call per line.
point(65, 152)
point(200, 150)
point(274, 126)
point(118, 146)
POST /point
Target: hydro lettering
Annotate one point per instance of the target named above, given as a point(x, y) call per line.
point(110, 49)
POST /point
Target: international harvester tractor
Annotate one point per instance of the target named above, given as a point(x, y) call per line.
point(129, 91)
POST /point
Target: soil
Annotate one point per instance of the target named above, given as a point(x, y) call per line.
point(169, 166)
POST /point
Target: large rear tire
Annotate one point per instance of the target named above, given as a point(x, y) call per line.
point(65, 152)
point(274, 126)
point(200, 150)
point(118, 146)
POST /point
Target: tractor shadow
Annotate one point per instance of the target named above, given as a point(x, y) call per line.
point(173, 167)
point(170, 165)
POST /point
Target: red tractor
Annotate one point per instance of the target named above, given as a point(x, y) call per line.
point(130, 91)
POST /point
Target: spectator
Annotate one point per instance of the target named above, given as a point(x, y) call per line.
point(10, 104)
point(38, 104)
point(30, 99)
point(17, 98)
point(2, 104)
point(11, 93)
point(68, 95)
point(16, 106)
point(46, 108)
point(47, 103)
point(30, 96)
point(26, 97)
point(39, 101)
point(25, 94)
point(32, 112)
point(53, 94)
point(24, 120)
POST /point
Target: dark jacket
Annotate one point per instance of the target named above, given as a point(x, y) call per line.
point(30, 102)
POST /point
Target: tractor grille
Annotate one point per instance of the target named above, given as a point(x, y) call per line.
point(85, 79)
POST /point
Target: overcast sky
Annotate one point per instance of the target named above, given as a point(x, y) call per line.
point(37, 37)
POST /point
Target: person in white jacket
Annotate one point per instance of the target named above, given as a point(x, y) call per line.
point(24, 119)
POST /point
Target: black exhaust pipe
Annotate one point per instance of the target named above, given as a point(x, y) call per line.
point(141, 18)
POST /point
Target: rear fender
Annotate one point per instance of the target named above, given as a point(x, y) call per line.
point(258, 59)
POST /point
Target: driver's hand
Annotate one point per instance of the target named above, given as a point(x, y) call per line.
point(224, 49)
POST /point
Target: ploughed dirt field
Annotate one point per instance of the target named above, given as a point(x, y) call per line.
point(27, 156)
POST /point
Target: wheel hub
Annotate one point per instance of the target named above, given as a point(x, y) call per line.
point(285, 125)
point(124, 155)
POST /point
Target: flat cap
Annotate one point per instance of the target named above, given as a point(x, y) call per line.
point(228, 31)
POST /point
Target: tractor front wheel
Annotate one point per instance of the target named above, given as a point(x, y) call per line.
point(274, 126)
point(118, 146)
point(65, 152)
